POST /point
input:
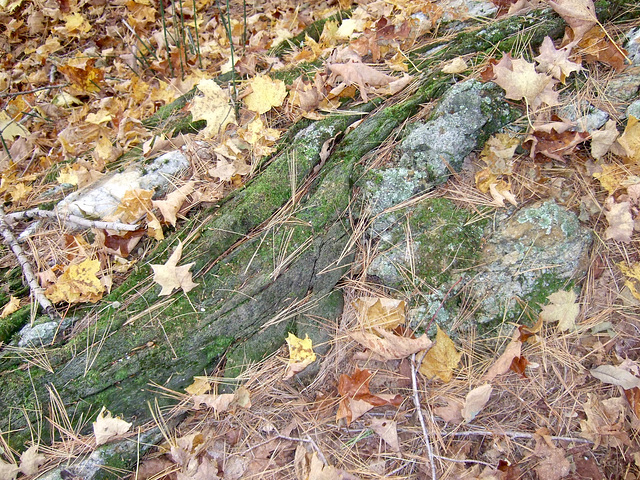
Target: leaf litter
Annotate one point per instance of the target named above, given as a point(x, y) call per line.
point(534, 393)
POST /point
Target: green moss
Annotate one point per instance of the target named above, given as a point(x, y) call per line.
point(448, 242)
point(13, 323)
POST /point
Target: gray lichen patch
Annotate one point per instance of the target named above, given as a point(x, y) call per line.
point(531, 254)
point(428, 249)
point(466, 116)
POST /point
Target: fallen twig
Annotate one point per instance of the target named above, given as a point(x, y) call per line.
point(36, 290)
point(515, 435)
point(416, 403)
point(80, 221)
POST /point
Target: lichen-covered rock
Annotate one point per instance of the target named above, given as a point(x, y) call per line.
point(465, 117)
point(103, 197)
point(42, 333)
point(430, 243)
point(531, 254)
point(523, 255)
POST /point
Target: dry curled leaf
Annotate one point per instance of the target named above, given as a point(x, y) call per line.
point(106, 427)
point(563, 309)
point(170, 277)
point(475, 401)
point(441, 359)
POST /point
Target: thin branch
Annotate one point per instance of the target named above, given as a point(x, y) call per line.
point(39, 89)
point(512, 434)
point(80, 221)
point(36, 290)
point(416, 403)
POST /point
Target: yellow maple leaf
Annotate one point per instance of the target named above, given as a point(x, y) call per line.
point(76, 23)
point(78, 283)
point(266, 94)
point(630, 140)
point(199, 386)
point(19, 191)
point(441, 359)
point(10, 128)
point(563, 309)
point(632, 273)
point(11, 306)
point(169, 276)
point(134, 204)
point(214, 107)
point(301, 354)
point(67, 175)
point(381, 312)
point(611, 177)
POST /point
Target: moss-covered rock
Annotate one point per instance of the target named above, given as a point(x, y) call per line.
point(531, 253)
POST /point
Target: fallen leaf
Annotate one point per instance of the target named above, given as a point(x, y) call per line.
point(580, 15)
point(520, 80)
point(633, 397)
point(518, 365)
point(501, 191)
point(220, 403)
point(106, 427)
point(616, 376)
point(86, 79)
point(31, 460)
point(170, 206)
point(605, 422)
point(475, 401)
point(503, 364)
point(223, 402)
point(266, 94)
point(301, 354)
point(498, 153)
point(555, 62)
point(563, 309)
point(77, 284)
point(386, 345)
point(356, 398)
point(452, 413)
point(387, 430)
point(601, 140)
point(632, 281)
point(308, 466)
point(441, 359)
point(134, 205)
point(11, 306)
point(225, 170)
point(553, 464)
point(199, 386)
point(359, 74)
point(457, 65)
point(554, 144)
point(380, 312)
point(629, 141)
point(169, 276)
point(10, 128)
point(8, 471)
point(596, 46)
point(620, 220)
point(214, 107)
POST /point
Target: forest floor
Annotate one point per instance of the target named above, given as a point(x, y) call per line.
point(79, 81)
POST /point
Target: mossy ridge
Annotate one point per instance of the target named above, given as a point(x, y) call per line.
point(505, 34)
